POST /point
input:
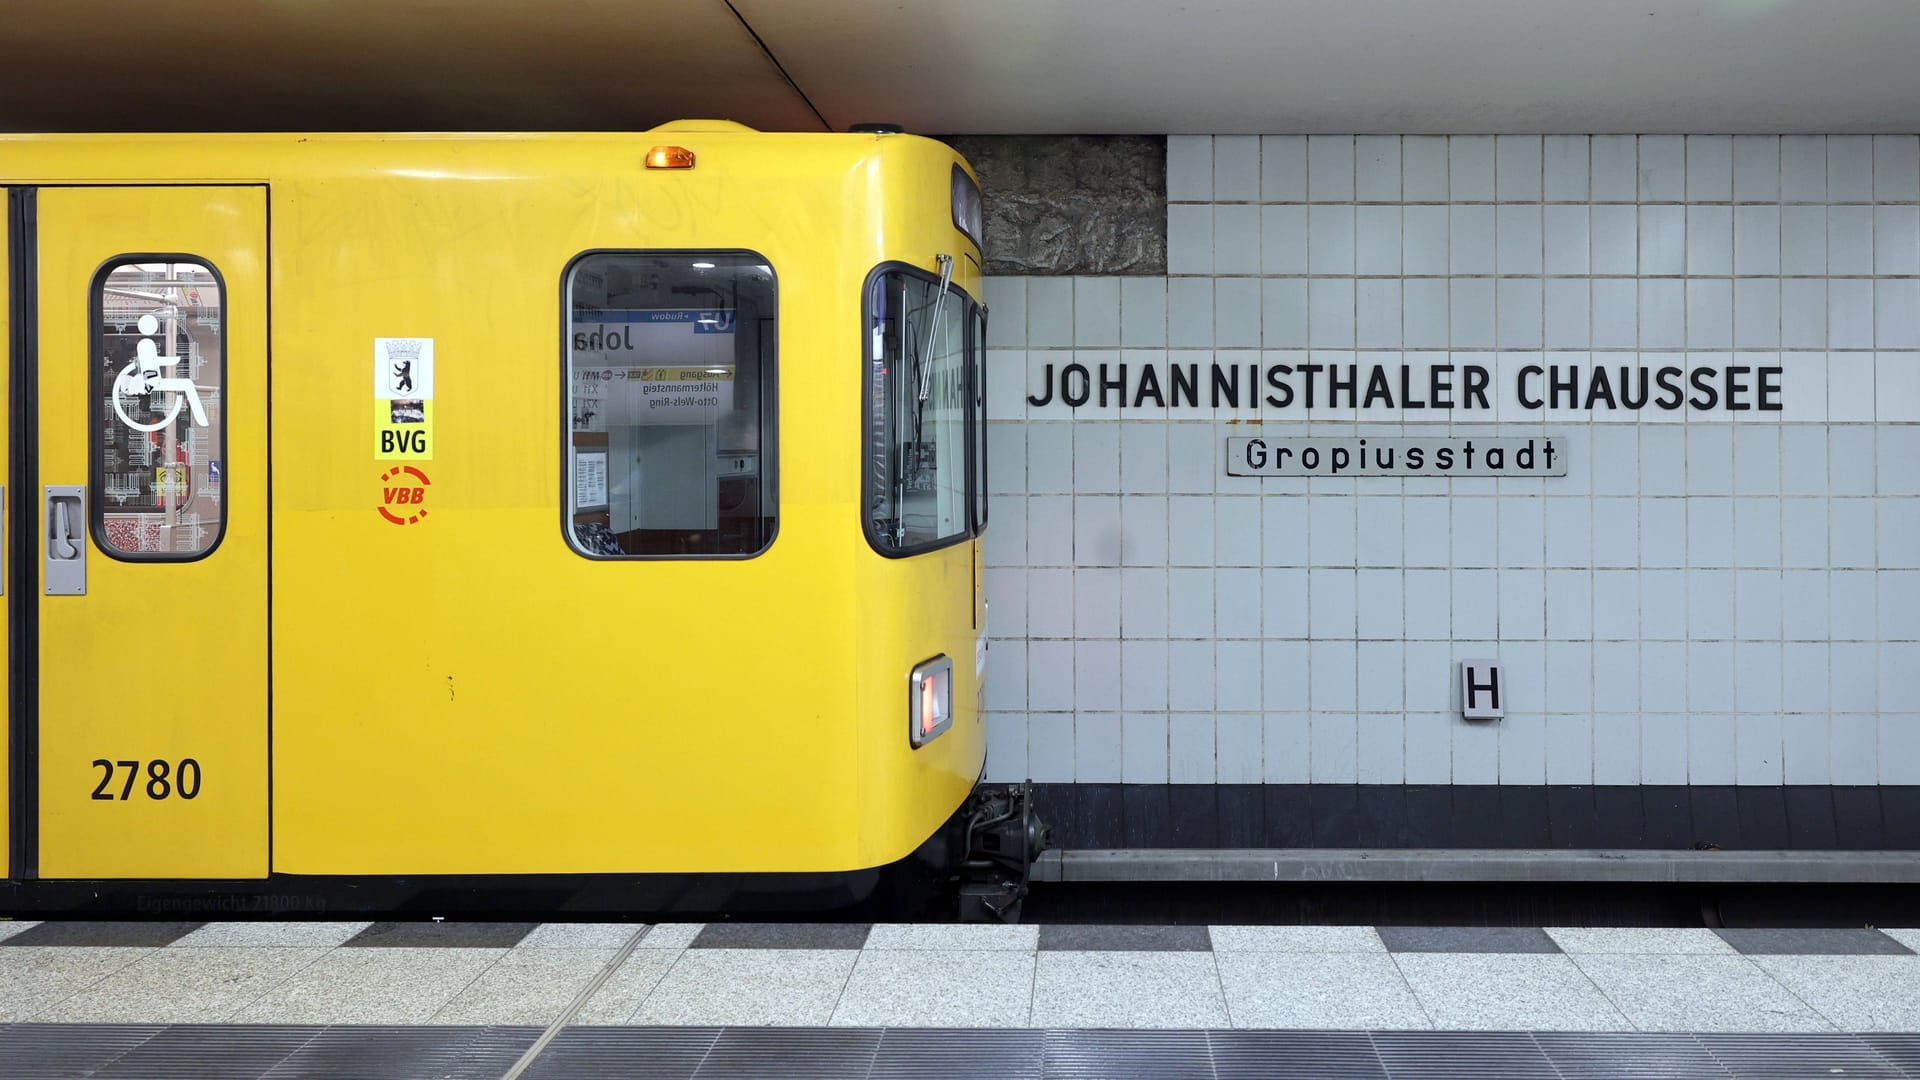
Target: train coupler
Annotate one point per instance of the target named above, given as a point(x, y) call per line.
point(1003, 839)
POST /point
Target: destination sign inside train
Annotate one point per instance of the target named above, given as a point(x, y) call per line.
point(1408, 387)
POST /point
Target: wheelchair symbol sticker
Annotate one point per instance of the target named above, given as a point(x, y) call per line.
point(143, 376)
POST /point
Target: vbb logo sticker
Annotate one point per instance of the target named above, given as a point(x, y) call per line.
point(403, 491)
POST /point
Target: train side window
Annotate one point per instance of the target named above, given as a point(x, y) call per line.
point(159, 424)
point(670, 400)
point(977, 348)
point(917, 476)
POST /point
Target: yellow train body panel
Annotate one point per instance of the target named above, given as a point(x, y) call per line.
point(466, 693)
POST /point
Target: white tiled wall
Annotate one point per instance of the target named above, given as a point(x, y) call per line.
point(1697, 601)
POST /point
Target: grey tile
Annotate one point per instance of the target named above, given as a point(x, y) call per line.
point(1467, 939)
point(183, 986)
point(1629, 1057)
point(1337, 991)
point(1901, 1051)
point(1493, 992)
point(755, 987)
point(35, 979)
point(1323, 1055)
point(971, 937)
point(210, 1052)
point(781, 936)
point(407, 1053)
point(1698, 993)
point(1789, 1057)
point(911, 1054)
point(1057, 937)
point(1854, 993)
point(1813, 942)
point(1908, 937)
point(440, 935)
point(527, 986)
point(907, 988)
point(620, 996)
point(582, 935)
point(1113, 1055)
point(793, 1052)
point(1296, 939)
point(288, 935)
point(625, 1053)
point(50, 1050)
point(9, 928)
point(1641, 940)
point(371, 986)
point(122, 935)
point(671, 935)
point(1455, 1055)
point(1127, 990)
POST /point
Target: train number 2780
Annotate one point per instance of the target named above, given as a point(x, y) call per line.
point(163, 781)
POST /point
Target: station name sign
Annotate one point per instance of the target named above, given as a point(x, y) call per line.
point(1371, 456)
point(1580, 387)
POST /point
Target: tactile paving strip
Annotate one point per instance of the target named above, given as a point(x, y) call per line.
point(242, 1052)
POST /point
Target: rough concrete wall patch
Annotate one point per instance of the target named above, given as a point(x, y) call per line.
point(1073, 204)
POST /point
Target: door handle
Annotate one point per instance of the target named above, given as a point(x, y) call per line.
point(66, 540)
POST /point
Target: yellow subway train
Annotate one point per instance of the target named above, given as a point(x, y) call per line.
point(564, 521)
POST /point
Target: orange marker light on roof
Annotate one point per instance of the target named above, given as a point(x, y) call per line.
point(669, 157)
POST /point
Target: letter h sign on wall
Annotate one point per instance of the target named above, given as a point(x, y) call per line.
point(1480, 692)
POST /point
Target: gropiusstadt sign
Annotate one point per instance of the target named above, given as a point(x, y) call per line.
point(1439, 455)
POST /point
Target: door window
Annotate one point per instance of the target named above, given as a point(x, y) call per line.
point(159, 421)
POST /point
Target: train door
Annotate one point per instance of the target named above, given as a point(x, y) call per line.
point(141, 594)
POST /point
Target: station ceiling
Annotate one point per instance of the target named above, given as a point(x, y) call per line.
point(964, 66)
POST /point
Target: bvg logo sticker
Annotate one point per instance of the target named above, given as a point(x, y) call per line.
point(403, 491)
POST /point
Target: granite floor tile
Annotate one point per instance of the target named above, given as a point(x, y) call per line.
point(749, 987)
point(582, 935)
point(527, 986)
point(1176, 989)
point(112, 935)
point(9, 928)
point(921, 988)
point(1641, 940)
point(1506, 992)
point(1854, 993)
point(289, 935)
point(1296, 939)
point(371, 986)
point(34, 979)
point(620, 996)
point(781, 936)
point(1339, 991)
point(1814, 942)
point(1068, 937)
point(1467, 939)
point(440, 935)
point(1908, 936)
point(671, 935)
point(945, 937)
point(183, 986)
point(1698, 993)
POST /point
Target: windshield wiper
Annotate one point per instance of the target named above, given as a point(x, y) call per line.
point(933, 330)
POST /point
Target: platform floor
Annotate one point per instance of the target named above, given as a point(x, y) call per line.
point(471, 999)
